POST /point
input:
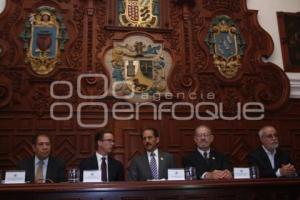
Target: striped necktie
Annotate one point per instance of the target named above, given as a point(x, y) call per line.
point(153, 166)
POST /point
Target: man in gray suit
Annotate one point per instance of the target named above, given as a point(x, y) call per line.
point(153, 164)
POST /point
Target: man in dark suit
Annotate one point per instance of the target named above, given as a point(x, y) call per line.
point(271, 161)
point(42, 167)
point(208, 163)
point(153, 164)
point(110, 169)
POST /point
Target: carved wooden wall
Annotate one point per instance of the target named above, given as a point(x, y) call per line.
point(25, 98)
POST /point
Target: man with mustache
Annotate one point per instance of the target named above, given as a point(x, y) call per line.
point(42, 167)
point(208, 163)
point(271, 161)
point(154, 163)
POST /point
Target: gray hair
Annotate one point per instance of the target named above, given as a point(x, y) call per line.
point(262, 130)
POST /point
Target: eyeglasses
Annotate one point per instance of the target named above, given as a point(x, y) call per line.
point(271, 136)
point(109, 140)
point(205, 136)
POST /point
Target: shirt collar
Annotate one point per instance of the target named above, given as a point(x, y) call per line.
point(269, 152)
point(202, 152)
point(155, 151)
point(37, 160)
point(99, 156)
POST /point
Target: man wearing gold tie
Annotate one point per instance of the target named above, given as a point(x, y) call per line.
point(42, 167)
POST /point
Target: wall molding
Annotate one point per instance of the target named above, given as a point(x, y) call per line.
point(295, 85)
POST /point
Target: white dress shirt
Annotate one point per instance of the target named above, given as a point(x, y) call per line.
point(99, 159)
point(271, 156)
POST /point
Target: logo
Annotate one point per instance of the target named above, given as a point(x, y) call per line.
point(131, 111)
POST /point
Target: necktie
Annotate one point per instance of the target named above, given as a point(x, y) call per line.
point(205, 154)
point(103, 170)
point(39, 177)
point(153, 166)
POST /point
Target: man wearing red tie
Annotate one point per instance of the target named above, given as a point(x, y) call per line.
point(110, 169)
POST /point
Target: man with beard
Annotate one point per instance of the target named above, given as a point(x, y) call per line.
point(271, 161)
point(208, 163)
point(153, 164)
point(42, 167)
point(110, 169)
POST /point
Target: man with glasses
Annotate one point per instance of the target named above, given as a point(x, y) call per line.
point(271, 161)
point(110, 169)
point(208, 163)
point(153, 164)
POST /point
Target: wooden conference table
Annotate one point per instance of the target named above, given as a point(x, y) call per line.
point(253, 189)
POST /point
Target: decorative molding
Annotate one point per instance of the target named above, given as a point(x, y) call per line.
point(295, 85)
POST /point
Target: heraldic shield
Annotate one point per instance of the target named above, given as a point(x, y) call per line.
point(139, 68)
point(44, 38)
point(139, 13)
point(226, 45)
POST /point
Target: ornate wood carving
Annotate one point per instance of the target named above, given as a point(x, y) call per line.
point(25, 98)
point(289, 30)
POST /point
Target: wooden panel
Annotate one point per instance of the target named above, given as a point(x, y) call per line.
point(167, 190)
point(25, 97)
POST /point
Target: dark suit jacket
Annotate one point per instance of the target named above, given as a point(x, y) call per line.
point(139, 169)
point(216, 161)
point(259, 158)
point(115, 168)
point(55, 169)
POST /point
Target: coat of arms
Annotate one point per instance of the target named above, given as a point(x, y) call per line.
point(226, 45)
point(139, 13)
point(44, 37)
point(139, 67)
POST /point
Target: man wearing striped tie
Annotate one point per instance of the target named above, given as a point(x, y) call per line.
point(154, 163)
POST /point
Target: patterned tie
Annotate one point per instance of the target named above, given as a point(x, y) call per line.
point(103, 170)
point(153, 166)
point(39, 177)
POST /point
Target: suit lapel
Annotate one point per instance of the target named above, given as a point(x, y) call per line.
point(111, 168)
point(276, 159)
point(31, 167)
point(145, 162)
point(49, 167)
point(212, 161)
point(201, 159)
point(161, 164)
point(266, 159)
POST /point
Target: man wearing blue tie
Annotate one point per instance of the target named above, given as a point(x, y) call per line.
point(153, 164)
